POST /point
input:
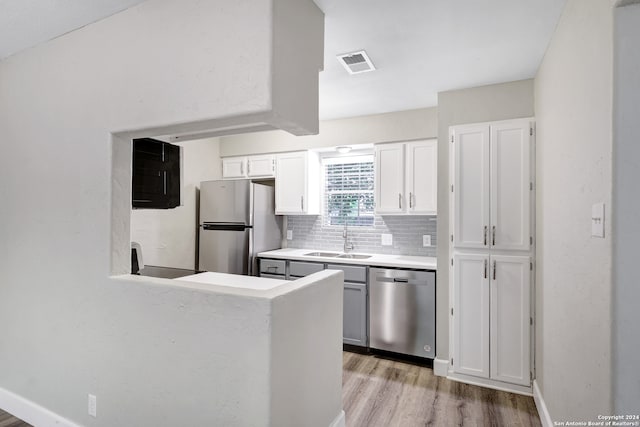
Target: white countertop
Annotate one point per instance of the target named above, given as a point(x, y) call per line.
point(376, 260)
point(233, 280)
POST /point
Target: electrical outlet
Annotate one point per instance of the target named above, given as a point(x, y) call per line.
point(289, 234)
point(386, 239)
point(426, 240)
point(93, 405)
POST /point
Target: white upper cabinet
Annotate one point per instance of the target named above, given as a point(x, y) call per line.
point(422, 177)
point(297, 183)
point(471, 186)
point(491, 176)
point(407, 178)
point(511, 185)
point(389, 183)
point(234, 167)
point(261, 166)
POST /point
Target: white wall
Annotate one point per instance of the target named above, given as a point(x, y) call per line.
point(480, 104)
point(626, 211)
point(573, 93)
point(66, 328)
point(168, 236)
point(389, 127)
point(306, 352)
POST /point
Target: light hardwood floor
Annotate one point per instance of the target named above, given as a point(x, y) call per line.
point(383, 392)
point(8, 420)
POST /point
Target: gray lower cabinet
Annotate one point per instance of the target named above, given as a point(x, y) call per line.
point(272, 268)
point(354, 314)
point(354, 309)
point(298, 269)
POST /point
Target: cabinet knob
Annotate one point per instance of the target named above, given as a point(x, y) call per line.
point(400, 200)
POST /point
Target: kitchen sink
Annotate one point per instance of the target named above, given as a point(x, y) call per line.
point(354, 256)
point(323, 254)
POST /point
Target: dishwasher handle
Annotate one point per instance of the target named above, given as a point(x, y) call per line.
point(404, 280)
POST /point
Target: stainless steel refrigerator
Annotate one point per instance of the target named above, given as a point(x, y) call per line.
point(237, 221)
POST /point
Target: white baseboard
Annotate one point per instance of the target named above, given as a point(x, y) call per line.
point(440, 367)
point(339, 421)
point(543, 412)
point(496, 385)
point(31, 412)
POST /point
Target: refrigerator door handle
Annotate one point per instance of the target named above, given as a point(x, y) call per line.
point(224, 226)
point(251, 261)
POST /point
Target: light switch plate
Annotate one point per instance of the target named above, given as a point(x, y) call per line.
point(426, 240)
point(386, 239)
point(93, 405)
point(289, 234)
point(597, 220)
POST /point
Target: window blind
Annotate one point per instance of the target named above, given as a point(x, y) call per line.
point(348, 190)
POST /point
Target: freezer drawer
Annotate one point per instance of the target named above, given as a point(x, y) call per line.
point(402, 315)
point(225, 251)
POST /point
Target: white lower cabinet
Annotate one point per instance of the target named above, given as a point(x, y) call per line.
point(471, 315)
point(491, 317)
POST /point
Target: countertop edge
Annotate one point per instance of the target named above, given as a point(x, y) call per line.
point(376, 260)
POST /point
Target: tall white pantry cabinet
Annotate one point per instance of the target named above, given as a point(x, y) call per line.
point(492, 214)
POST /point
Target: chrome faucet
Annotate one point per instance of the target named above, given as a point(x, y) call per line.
point(345, 235)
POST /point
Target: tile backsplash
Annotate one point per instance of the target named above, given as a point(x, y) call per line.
point(310, 232)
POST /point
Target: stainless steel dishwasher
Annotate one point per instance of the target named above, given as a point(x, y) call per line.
point(402, 311)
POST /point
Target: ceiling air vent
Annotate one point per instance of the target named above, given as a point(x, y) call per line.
point(356, 62)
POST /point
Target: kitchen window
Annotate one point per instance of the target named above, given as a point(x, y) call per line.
point(348, 190)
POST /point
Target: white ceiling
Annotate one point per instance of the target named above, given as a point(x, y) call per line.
point(26, 23)
point(422, 47)
point(419, 47)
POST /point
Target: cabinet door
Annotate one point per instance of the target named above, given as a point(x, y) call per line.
point(389, 191)
point(471, 186)
point(471, 314)
point(354, 317)
point(291, 183)
point(422, 177)
point(261, 166)
point(510, 185)
point(234, 167)
point(510, 312)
